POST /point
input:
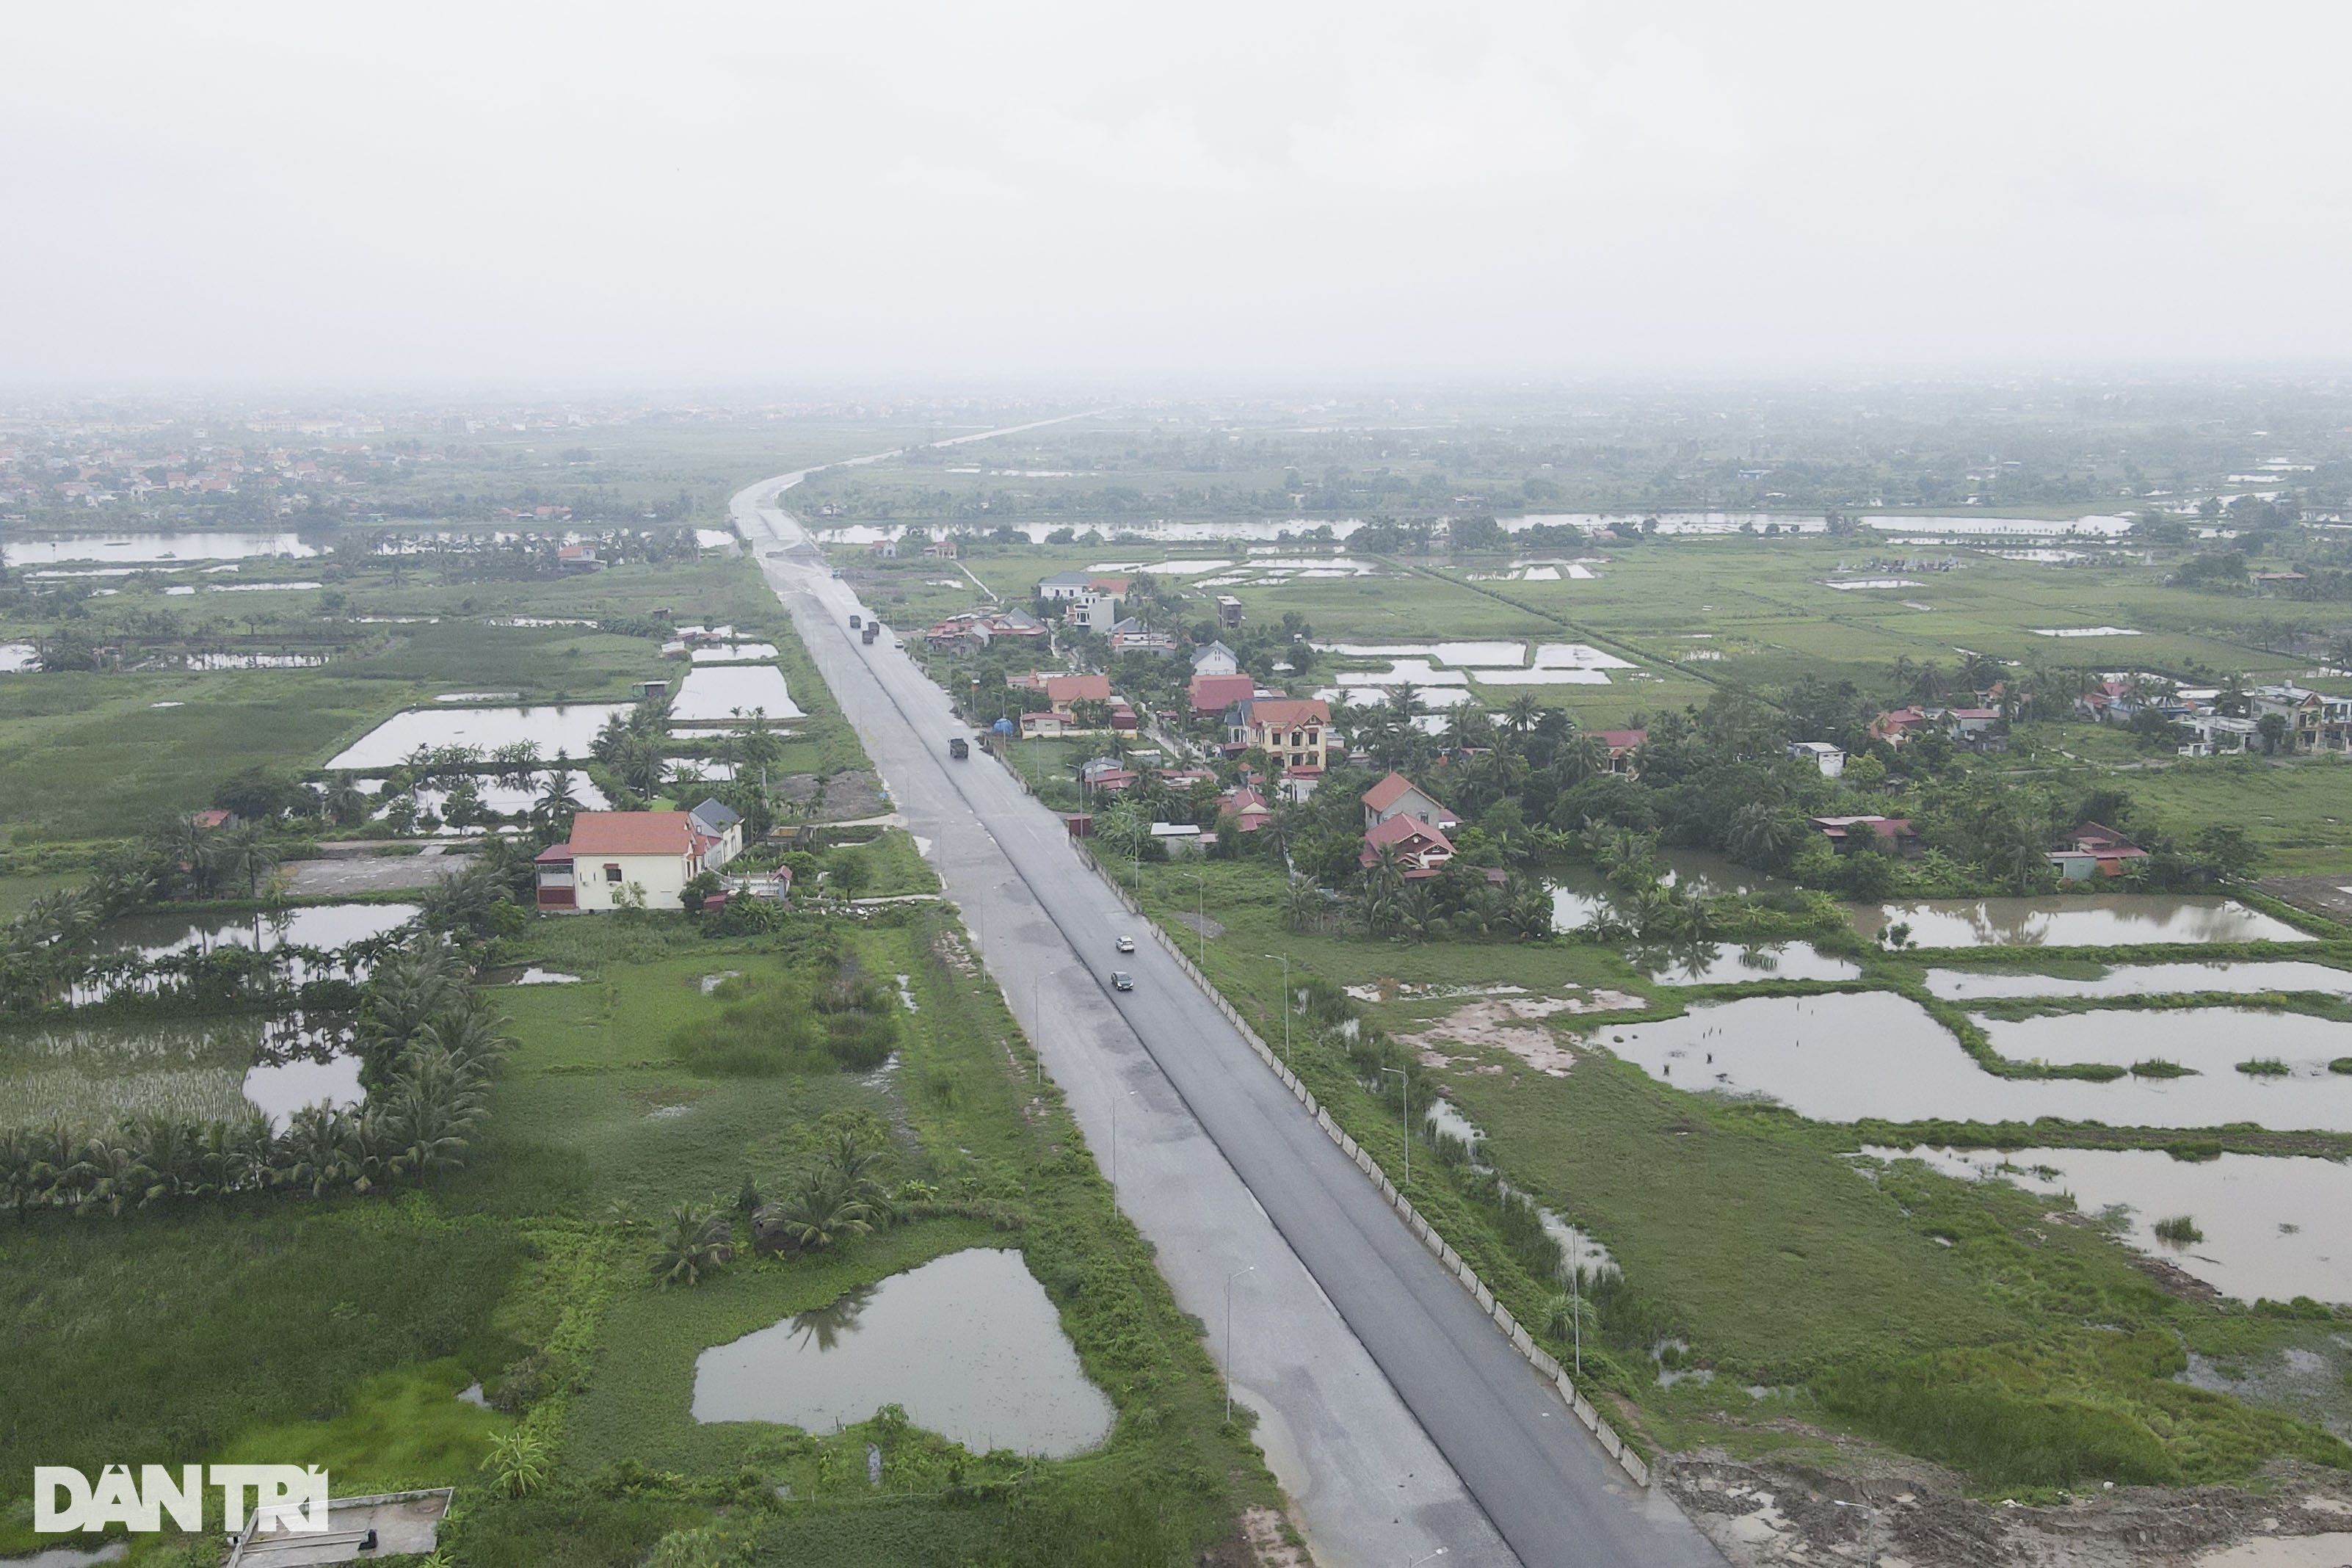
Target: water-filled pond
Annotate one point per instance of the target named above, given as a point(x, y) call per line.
point(968, 1343)
point(302, 925)
point(1579, 893)
point(558, 730)
point(2211, 1041)
point(2099, 919)
point(1851, 1055)
point(2143, 979)
point(150, 549)
point(93, 1076)
point(329, 926)
point(715, 692)
point(1728, 963)
point(2274, 1225)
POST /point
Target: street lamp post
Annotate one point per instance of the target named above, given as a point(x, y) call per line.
point(1412, 1561)
point(1285, 1006)
point(1114, 1139)
point(1229, 1338)
point(1201, 915)
point(1404, 1094)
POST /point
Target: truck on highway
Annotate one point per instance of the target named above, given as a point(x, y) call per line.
point(873, 630)
point(959, 748)
point(855, 622)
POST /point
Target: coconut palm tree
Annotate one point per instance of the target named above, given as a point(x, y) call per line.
point(246, 855)
point(696, 1241)
point(20, 1168)
point(556, 804)
point(315, 1152)
point(2016, 850)
point(1583, 758)
point(61, 1164)
point(434, 1104)
point(343, 803)
point(820, 1212)
point(1521, 714)
point(1760, 834)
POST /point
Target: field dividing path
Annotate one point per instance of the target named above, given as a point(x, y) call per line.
point(1390, 1407)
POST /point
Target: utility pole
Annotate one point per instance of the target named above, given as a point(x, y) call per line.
point(1200, 916)
point(1229, 1338)
point(1405, 1093)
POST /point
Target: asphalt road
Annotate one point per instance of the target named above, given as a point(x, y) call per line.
point(1397, 1416)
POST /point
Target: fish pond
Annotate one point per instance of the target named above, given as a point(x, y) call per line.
point(1855, 1054)
point(150, 549)
point(969, 1345)
point(317, 927)
point(559, 730)
point(2263, 1224)
point(2097, 920)
point(2143, 979)
point(715, 693)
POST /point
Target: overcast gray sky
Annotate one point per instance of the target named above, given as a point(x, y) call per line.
point(1229, 193)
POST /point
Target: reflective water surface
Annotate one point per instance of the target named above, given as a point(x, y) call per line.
point(2274, 1225)
point(2098, 920)
point(1851, 1055)
point(2145, 980)
point(968, 1343)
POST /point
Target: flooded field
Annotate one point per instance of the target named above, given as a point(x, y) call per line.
point(1580, 894)
point(968, 1343)
point(2207, 1040)
point(2099, 919)
point(2145, 980)
point(713, 694)
point(1846, 1056)
point(304, 925)
point(558, 730)
point(2273, 1225)
point(95, 1076)
point(1724, 963)
point(150, 549)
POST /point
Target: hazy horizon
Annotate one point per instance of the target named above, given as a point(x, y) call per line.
point(1360, 198)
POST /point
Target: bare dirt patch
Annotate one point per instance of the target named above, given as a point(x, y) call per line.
point(1906, 1514)
point(1513, 1023)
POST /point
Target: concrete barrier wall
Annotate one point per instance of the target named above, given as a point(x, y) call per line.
point(1423, 1231)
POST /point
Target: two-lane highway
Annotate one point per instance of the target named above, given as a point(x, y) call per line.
point(1388, 1400)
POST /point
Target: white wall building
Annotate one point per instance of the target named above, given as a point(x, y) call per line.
point(619, 856)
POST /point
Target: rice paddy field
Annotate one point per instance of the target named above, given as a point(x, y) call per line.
point(1691, 612)
point(97, 755)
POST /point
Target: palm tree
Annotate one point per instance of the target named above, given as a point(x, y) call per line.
point(1417, 914)
point(556, 804)
point(20, 1168)
point(1521, 713)
point(821, 1211)
point(696, 1241)
point(246, 853)
point(1760, 834)
point(1584, 757)
point(60, 1165)
point(315, 1151)
point(435, 1102)
point(343, 803)
point(1302, 907)
point(2016, 850)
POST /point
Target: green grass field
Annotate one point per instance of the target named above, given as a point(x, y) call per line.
point(95, 756)
point(1748, 1234)
point(341, 1334)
